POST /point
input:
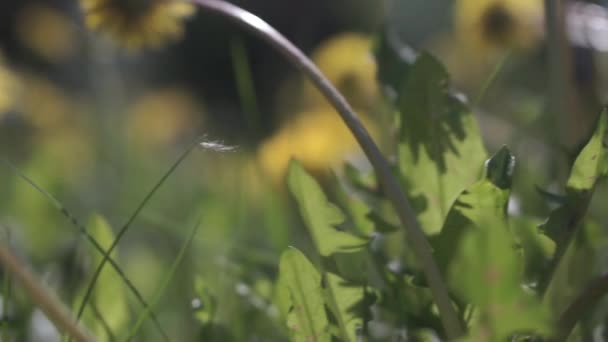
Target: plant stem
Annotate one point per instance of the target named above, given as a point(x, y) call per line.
point(49, 303)
point(559, 97)
point(417, 238)
point(244, 84)
point(585, 302)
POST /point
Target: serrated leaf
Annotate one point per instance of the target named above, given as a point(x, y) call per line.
point(394, 61)
point(479, 255)
point(483, 201)
point(108, 300)
point(344, 300)
point(301, 298)
point(380, 224)
point(440, 149)
point(321, 216)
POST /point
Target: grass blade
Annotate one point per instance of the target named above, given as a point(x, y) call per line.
point(144, 315)
point(126, 226)
point(90, 238)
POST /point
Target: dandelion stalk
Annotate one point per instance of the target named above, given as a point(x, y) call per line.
point(417, 238)
point(581, 305)
point(46, 301)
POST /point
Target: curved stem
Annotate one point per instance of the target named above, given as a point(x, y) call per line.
point(585, 302)
point(391, 186)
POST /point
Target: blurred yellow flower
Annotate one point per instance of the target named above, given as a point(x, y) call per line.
point(347, 61)
point(137, 24)
point(317, 138)
point(59, 125)
point(45, 106)
point(163, 116)
point(46, 31)
point(9, 86)
point(489, 25)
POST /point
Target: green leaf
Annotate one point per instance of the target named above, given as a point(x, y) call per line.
point(570, 277)
point(394, 61)
point(588, 169)
point(321, 217)
point(143, 316)
point(590, 165)
point(440, 149)
point(300, 298)
point(107, 313)
point(344, 301)
point(537, 248)
point(484, 201)
point(478, 252)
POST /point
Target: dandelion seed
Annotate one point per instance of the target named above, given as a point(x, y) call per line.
point(217, 146)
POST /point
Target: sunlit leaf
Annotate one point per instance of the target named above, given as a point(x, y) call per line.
point(589, 165)
point(564, 222)
point(301, 298)
point(440, 149)
point(483, 201)
point(478, 253)
point(345, 302)
point(588, 168)
point(321, 216)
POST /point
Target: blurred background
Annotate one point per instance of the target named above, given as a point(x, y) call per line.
point(97, 126)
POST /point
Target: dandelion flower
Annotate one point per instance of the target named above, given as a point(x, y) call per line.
point(45, 106)
point(47, 32)
point(137, 24)
point(9, 86)
point(317, 138)
point(497, 24)
point(163, 116)
point(347, 61)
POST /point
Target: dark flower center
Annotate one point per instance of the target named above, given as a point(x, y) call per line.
point(133, 8)
point(497, 24)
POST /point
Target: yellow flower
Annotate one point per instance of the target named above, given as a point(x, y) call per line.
point(162, 117)
point(9, 87)
point(347, 61)
point(489, 25)
point(45, 106)
point(46, 31)
point(317, 138)
point(138, 24)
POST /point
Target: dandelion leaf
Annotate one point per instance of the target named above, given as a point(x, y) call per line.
point(588, 168)
point(320, 216)
point(440, 149)
point(477, 252)
point(345, 302)
point(301, 299)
